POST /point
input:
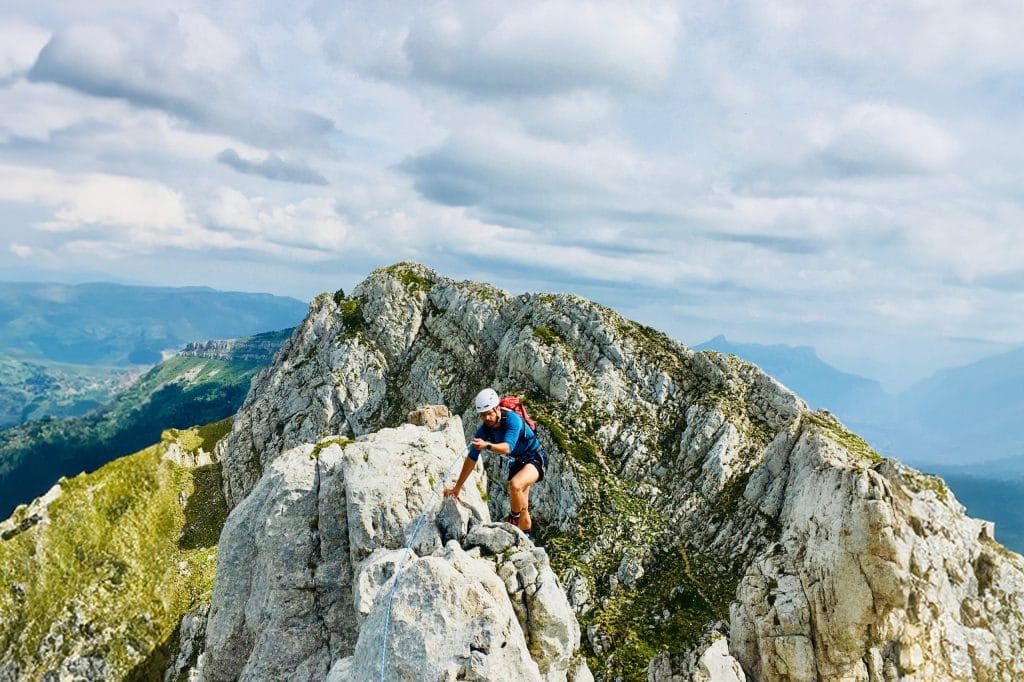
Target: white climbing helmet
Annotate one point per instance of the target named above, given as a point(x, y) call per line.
point(486, 399)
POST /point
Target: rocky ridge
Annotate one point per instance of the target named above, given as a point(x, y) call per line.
point(691, 498)
point(309, 561)
point(256, 349)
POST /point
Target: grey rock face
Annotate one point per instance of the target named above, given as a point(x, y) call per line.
point(192, 637)
point(327, 548)
point(674, 475)
point(875, 576)
point(450, 619)
point(712, 664)
point(256, 349)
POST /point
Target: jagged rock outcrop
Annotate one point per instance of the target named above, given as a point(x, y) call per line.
point(308, 566)
point(258, 349)
point(692, 500)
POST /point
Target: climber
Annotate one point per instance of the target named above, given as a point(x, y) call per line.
point(505, 433)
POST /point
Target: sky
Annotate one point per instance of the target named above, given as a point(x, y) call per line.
point(847, 176)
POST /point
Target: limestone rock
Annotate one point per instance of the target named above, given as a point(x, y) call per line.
point(450, 618)
point(338, 538)
point(543, 611)
point(494, 538)
point(713, 664)
point(430, 416)
point(26, 516)
point(686, 477)
point(192, 635)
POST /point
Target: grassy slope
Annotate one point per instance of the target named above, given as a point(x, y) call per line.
point(127, 551)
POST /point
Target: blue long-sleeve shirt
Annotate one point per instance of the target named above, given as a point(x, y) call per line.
point(513, 430)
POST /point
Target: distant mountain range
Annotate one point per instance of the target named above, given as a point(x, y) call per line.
point(205, 383)
point(117, 325)
point(965, 415)
point(817, 382)
point(962, 423)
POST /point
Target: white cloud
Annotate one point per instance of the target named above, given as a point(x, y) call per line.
point(34, 111)
point(950, 38)
point(182, 64)
point(20, 43)
point(133, 214)
point(594, 43)
point(967, 238)
point(572, 117)
point(527, 48)
point(126, 202)
point(882, 138)
point(503, 174)
point(311, 224)
point(20, 250)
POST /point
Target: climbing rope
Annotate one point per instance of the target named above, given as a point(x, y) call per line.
point(401, 565)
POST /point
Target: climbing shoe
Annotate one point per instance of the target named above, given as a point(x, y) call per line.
point(513, 519)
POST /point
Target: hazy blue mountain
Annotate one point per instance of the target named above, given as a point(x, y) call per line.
point(113, 324)
point(1008, 468)
point(204, 383)
point(854, 399)
point(965, 415)
point(963, 424)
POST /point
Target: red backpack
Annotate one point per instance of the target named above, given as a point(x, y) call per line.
point(512, 402)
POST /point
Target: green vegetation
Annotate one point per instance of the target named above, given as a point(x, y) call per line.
point(546, 336)
point(32, 390)
point(728, 498)
point(833, 429)
point(198, 438)
point(580, 447)
point(411, 276)
point(323, 445)
point(655, 347)
point(920, 482)
point(680, 592)
point(182, 391)
point(351, 317)
point(121, 553)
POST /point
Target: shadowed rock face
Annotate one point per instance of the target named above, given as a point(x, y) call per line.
point(691, 500)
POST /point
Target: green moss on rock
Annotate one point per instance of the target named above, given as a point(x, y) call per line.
point(919, 482)
point(546, 336)
point(323, 445)
point(579, 445)
point(352, 317)
point(833, 429)
point(412, 276)
point(680, 592)
point(198, 437)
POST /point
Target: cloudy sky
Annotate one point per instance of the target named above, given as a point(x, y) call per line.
point(842, 175)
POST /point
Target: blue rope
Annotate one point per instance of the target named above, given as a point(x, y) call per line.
point(407, 548)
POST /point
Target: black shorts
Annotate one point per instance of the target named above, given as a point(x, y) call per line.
point(537, 458)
